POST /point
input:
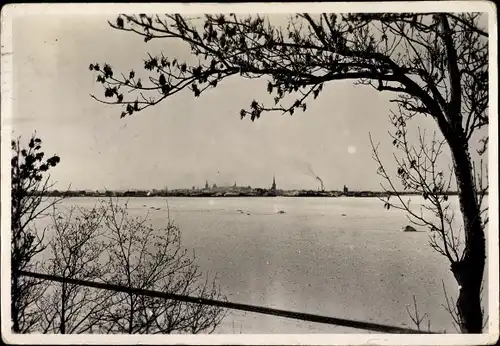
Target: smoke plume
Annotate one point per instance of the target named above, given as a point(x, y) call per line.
point(315, 176)
point(308, 170)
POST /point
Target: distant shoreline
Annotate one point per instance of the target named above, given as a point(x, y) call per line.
point(230, 193)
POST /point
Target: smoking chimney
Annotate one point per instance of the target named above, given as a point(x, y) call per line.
point(321, 181)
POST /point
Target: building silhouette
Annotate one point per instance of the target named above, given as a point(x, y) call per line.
point(273, 187)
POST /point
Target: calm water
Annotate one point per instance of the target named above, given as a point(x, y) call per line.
point(310, 259)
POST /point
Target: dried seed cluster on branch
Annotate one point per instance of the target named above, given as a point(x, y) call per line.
point(29, 186)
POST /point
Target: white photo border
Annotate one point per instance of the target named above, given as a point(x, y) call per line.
point(9, 12)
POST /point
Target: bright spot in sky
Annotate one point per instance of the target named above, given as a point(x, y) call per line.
point(351, 149)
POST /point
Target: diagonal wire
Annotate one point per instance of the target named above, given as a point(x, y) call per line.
point(235, 306)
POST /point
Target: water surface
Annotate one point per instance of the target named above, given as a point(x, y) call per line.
point(339, 257)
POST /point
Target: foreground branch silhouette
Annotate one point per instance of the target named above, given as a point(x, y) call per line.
point(436, 65)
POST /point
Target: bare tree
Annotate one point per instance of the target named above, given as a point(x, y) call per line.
point(436, 64)
point(145, 257)
point(420, 169)
point(105, 244)
point(77, 251)
point(28, 203)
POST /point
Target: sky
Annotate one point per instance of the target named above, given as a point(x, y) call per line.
point(183, 141)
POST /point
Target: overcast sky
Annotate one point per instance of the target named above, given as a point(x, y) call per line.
point(183, 141)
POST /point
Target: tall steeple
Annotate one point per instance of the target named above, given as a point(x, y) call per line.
point(274, 184)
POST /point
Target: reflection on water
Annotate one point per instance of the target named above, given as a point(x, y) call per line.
point(309, 259)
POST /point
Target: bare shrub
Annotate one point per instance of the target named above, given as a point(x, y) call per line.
point(107, 244)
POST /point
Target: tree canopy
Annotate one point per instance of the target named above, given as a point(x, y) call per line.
point(436, 63)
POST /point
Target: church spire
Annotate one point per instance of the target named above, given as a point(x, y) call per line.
point(274, 183)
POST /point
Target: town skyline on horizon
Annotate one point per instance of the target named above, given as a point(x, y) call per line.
point(211, 185)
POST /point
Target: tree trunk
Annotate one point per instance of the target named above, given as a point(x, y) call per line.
point(62, 326)
point(15, 257)
point(470, 269)
point(15, 300)
point(131, 314)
